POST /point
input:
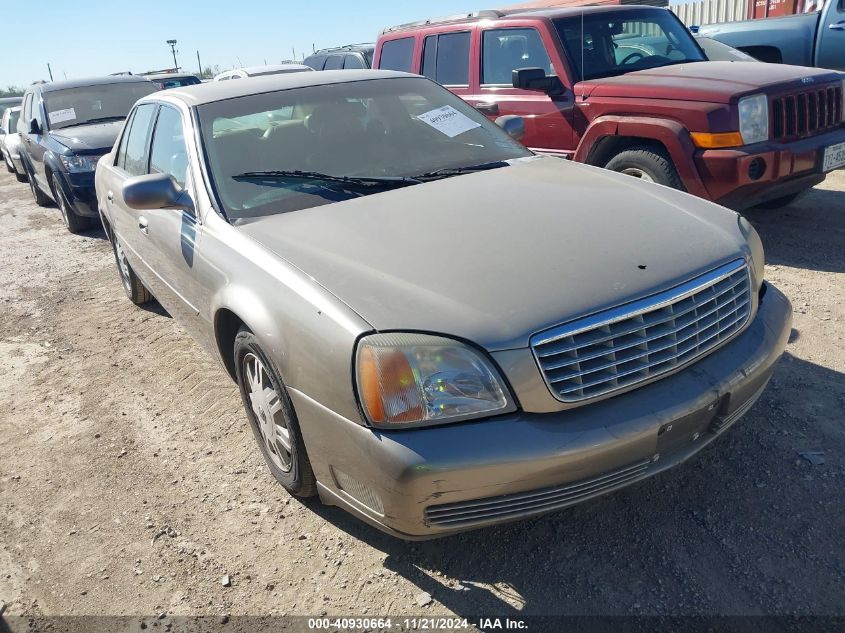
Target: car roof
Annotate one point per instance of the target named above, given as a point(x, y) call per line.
point(169, 75)
point(516, 14)
point(221, 90)
point(50, 86)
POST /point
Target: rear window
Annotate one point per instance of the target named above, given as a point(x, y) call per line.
point(315, 61)
point(334, 62)
point(397, 54)
point(446, 58)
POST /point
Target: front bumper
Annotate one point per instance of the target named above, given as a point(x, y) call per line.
point(422, 483)
point(744, 177)
point(80, 194)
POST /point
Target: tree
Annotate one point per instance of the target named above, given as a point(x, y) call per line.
point(11, 91)
point(208, 72)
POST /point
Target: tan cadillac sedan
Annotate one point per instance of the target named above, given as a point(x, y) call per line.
point(430, 326)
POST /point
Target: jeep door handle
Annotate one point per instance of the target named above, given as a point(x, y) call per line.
point(486, 107)
point(837, 26)
point(143, 225)
point(110, 196)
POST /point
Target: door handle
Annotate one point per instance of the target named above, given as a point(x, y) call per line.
point(143, 225)
point(486, 107)
point(110, 196)
point(837, 26)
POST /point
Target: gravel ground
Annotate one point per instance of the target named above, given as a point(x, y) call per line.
point(131, 484)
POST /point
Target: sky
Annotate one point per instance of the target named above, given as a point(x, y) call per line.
point(97, 37)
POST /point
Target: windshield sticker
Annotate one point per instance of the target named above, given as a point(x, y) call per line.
point(448, 120)
point(60, 116)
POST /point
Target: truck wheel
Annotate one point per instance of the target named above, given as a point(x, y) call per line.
point(41, 199)
point(777, 203)
point(647, 163)
point(74, 223)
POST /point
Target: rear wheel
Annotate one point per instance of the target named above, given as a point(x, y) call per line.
point(650, 164)
point(74, 223)
point(272, 417)
point(132, 286)
point(41, 199)
point(9, 166)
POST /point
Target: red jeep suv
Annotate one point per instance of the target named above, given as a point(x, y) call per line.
point(629, 89)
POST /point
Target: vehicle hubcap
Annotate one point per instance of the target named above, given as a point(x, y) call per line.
point(123, 265)
point(637, 173)
point(266, 405)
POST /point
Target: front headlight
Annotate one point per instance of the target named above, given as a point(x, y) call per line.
point(754, 119)
point(75, 164)
point(407, 379)
point(755, 244)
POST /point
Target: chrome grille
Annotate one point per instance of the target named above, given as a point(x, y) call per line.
point(464, 513)
point(806, 113)
point(635, 342)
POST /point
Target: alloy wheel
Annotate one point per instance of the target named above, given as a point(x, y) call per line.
point(269, 414)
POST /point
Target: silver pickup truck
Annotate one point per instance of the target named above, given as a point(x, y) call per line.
point(806, 39)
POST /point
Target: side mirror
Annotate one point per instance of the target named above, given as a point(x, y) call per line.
point(514, 126)
point(34, 127)
point(537, 80)
point(156, 191)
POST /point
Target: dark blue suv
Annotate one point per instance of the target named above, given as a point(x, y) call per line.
point(65, 127)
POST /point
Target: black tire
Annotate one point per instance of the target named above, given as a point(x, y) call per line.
point(647, 163)
point(777, 203)
point(132, 286)
point(41, 198)
point(298, 476)
point(21, 177)
point(9, 166)
point(75, 223)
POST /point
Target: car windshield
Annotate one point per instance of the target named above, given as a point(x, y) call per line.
point(93, 104)
point(299, 148)
point(607, 44)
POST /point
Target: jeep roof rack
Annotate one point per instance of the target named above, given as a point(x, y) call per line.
point(345, 47)
point(487, 13)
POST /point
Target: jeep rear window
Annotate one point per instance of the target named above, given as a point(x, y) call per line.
point(446, 58)
point(397, 54)
point(607, 44)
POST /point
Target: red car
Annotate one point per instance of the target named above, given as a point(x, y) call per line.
point(629, 89)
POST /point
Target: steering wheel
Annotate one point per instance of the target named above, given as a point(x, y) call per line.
point(635, 56)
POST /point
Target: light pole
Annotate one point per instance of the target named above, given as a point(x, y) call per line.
point(173, 50)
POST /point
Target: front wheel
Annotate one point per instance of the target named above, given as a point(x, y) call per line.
point(74, 223)
point(41, 199)
point(650, 164)
point(272, 417)
point(132, 286)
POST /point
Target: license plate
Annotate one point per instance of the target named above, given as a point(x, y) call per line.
point(834, 156)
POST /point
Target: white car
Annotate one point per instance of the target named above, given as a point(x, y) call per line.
point(260, 71)
point(10, 142)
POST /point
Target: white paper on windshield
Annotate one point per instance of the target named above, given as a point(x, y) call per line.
point(60, 116)
point(448, 120)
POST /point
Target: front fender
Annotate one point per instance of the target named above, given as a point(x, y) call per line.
point(671, 134)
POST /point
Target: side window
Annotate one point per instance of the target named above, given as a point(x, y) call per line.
point(135, 159)
point(352, 61)
point(397, 54)
point(334, 62)
point(503, 50)
point(120, 159)
point(168, 153)
point(316, 61)
point(450, 58)
point(26, 113)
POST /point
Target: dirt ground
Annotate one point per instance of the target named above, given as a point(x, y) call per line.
point(131, 484)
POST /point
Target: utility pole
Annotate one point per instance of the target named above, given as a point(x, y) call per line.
point(49, 70)
point(173, 50)
point(199, 63)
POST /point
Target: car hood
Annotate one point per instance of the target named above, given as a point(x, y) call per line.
point(95, 137)
point(712, 82)
point(495, 256)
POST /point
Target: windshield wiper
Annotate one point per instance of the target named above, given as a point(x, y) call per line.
point(102, 119)
point(379, 182)
point(457, 171)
